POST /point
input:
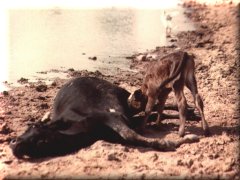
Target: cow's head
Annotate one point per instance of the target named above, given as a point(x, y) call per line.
point(41, 140)
point(137, 101)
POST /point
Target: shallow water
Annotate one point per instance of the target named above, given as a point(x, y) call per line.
point(44, 39)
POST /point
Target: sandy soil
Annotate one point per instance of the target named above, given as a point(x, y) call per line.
point(215, 43)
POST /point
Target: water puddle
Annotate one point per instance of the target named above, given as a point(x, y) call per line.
point(92, 39)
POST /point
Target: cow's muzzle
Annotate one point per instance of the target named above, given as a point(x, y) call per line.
point(16, 149)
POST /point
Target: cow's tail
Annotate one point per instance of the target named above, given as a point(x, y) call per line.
point(190, 138)
point(167, 145)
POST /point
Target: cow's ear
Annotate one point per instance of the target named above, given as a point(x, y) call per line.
point(74, 128)
point(72, 123)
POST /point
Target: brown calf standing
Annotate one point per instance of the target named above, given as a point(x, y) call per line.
point(171, 73)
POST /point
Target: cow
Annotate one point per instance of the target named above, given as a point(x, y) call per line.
point(86, 109)
point(170, 73)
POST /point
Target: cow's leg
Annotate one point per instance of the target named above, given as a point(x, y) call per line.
point(116, 122)
point(191, 84)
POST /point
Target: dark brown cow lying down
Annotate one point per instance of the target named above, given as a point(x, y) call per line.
point(85, 110)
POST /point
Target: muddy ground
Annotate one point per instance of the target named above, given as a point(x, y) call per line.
point(215, 43)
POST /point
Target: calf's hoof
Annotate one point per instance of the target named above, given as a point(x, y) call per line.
point(206, 132)
point(181, 131)
point(159, 123)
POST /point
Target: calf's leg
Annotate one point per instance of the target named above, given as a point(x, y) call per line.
point(162, 98)
point(182, 106)
point(149, 107)
point(191, 84)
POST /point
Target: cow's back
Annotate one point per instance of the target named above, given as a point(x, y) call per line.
point(85, 95)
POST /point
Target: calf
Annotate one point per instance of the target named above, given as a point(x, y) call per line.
point(85, 110)
point(171, 73)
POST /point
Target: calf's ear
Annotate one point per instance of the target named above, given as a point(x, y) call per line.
point(138, 94)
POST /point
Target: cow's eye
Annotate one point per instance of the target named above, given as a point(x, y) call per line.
point(42, 142)
point(39, 143)
point(32, 140)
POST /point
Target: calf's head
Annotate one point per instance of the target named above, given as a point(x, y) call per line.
point(137, 101)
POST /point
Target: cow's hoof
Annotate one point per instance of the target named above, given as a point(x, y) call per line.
point(190, 138)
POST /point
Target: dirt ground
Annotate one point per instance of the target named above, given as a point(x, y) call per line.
point(215, 43)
